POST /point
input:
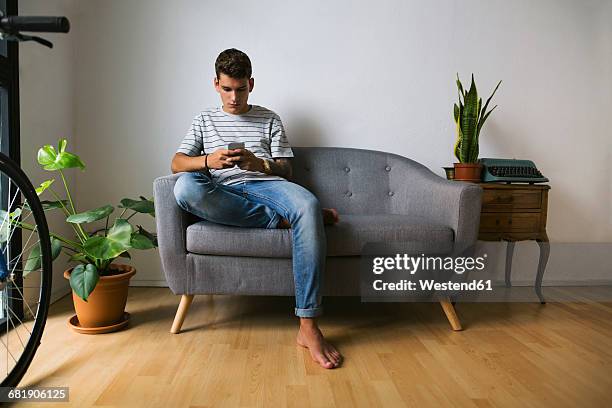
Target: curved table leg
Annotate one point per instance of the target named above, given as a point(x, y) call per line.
point(544, 253)
point(509, 255)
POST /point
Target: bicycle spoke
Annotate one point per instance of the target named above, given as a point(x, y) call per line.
point(10, 222)
point(16, 298)
point(7, 213)
point(30, 237)
point(16, 331)
point(17, 228)
point(24, 301)
point(29, 272)
point(8, 352)
point(14, 260)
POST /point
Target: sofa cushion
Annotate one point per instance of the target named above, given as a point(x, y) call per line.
point(345, 238)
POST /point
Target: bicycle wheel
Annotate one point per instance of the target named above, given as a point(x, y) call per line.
point(25, 272)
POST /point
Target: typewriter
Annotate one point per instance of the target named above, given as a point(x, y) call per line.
point(510, 171)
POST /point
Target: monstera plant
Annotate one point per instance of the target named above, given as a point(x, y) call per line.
point(93, 248)
point(469, 116)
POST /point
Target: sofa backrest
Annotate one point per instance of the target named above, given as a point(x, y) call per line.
point(354, 181)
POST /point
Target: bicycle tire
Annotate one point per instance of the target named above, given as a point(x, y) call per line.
point(15, 174)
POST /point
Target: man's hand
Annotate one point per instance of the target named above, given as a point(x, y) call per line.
point(223, 158)
point(246, 160)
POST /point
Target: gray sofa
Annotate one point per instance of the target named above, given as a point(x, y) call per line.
point(379, 196)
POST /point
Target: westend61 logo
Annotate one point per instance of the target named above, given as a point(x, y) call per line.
point(413, 264)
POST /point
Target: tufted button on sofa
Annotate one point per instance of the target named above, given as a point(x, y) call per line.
point(381, 197)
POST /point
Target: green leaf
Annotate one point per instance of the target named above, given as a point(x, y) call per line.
point(15, 214)
point(79, 257)
point(142, 206)
point(458, 143)
point(148, 234)
point(43, 186)
point(9, 217)
point(120, 231)
point(140, 241)
point(49, 205)
point(91, 215)
point(46, 155)
point(7, 221)
point(83, 280)
point(484, 108)
point(473, 155)
point(109, 247)
point(469, 123)
point(482, 121)
point(34, 263)
point(56, 248)
point(61, 145)
point(51, 160)
point(459, 86)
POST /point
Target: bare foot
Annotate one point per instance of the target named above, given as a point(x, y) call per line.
point(283, 223)
point(330, 217)
point(310, 337)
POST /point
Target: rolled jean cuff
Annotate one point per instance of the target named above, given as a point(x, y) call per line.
point(313, 312)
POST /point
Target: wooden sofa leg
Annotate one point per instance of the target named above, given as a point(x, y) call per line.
point(179, 318)
point(451, 315)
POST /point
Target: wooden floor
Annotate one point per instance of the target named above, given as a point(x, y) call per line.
point(240, 352)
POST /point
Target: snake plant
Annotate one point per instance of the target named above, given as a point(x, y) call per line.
point(470, 115)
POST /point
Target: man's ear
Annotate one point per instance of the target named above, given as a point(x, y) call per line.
point(251, 84)
point(216, 84)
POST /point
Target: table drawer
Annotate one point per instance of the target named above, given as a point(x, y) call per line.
point(509, 222)
point(511, 199)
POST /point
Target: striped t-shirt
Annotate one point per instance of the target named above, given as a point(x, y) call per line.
point(259, 128)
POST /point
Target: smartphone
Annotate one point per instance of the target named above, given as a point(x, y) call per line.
point(235, 145)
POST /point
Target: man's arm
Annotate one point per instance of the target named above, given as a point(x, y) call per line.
point(246, 160)
point(219, 159)
point(183, 162)
point(282, 167)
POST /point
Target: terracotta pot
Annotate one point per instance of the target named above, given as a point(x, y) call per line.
point(450, 172)
point(468, 171)
point(106, 303)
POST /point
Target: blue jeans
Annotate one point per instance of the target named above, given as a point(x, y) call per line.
point(262, 204)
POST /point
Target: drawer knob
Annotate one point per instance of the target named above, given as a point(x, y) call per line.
point(497, 221)
point(510, 220)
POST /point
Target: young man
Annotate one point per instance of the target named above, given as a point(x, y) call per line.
point(248, 187)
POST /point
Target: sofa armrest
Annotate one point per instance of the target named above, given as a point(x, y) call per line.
point(453, 203)
point(172, 223)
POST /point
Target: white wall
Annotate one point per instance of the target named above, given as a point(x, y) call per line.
point(46, 85)
point(376, 75)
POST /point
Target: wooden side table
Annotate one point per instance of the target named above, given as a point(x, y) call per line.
point(516, 212)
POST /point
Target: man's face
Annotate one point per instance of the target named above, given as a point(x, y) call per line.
point(234, 93)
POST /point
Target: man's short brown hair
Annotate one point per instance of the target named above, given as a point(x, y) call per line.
point(233, 63)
